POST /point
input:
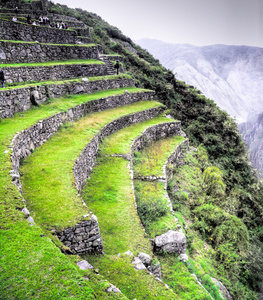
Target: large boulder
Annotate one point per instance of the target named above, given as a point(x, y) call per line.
point(171, 242)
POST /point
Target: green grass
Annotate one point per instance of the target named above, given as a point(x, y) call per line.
point(64, 81)
point(31, 267)
point(10, 198)
point(47, 173)
point(40, 267)
point(177, 276)
point(153, 207)
point(121, 141)
point(151, 159)
point(55, 63)
point(109, 195)
point(133, 284)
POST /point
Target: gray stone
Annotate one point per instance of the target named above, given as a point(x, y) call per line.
point(156, 270)
point(30, 220)
point(26, 212)
point(170, 242)
point(138, 265)
point(84, 265)
point(145, 258)
point(183, 257)
point(128, 253)
point(113, 289)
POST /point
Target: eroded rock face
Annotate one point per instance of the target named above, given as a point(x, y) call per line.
point(172, 242)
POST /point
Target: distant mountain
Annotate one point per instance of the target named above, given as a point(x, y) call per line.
point(230, 75)
point(252, 133)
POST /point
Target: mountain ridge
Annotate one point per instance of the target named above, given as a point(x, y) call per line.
point(225, 73)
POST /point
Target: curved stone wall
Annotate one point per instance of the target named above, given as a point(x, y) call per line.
point(21, 99)
point(31, 52)
point(83, 237)
point(86, 161)
point(23, 32)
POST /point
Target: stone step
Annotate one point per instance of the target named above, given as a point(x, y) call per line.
point(33, 52)
point(18, 99)
point(53, 71)
point(107, 60)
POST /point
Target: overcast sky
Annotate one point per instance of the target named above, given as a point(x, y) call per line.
point(197, 22)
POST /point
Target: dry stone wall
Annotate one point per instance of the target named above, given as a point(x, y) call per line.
point(23, 32)
point(173, 159)
point(21, 99)
point(156, 132)
point(24, 74)
point(84, 237)
point(22, 52)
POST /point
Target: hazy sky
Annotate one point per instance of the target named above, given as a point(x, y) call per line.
point(197, 22)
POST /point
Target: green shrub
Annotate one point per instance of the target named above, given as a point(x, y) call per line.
point(150, 209)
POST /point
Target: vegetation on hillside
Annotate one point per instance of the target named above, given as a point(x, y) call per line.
point(232, 208)
point(216, 192)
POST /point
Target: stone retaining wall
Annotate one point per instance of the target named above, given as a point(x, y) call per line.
point(84, 237)
point(27, 140)
point(172, 160)
point(21, 99)
point(86, 161)
point(82, 32)
point(154, 133)
point(22, 52)
point(24, 74)
point(83, 40)
point(23, 32)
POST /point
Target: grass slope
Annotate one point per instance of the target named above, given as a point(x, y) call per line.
point(55, 63)
point(31, 266)
point(47, 173)
point(151, 159)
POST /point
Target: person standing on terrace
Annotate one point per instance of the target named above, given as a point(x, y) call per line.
point(2, 78)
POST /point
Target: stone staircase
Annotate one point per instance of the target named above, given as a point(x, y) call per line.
point(61, 178)
point(107, 60)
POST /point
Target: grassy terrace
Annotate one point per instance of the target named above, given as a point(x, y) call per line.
point(133, 284)
point(157, 218)
point(109, 194)
point(40, 267)
point(110, 197)
point(8, 127)
point(64, 81)
point(55, 63)
point(151, 159)
point(151, 197)
point(47, 173)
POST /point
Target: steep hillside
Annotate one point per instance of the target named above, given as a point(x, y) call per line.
point(102, 197)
